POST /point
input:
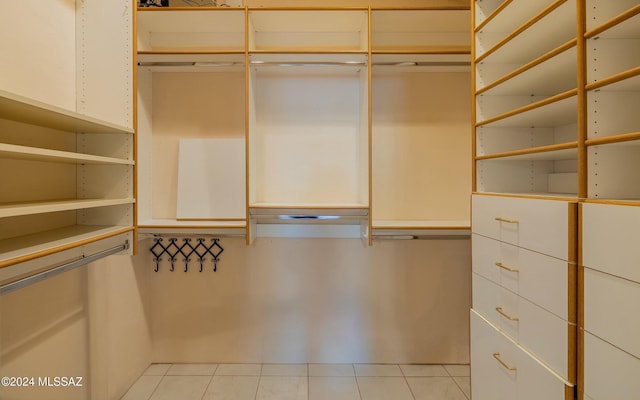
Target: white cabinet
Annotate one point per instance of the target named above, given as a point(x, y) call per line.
point(66, 134)
point(524, 280)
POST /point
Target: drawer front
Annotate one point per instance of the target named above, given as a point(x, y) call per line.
point(542, 333)
point(541, 279)
point(611, 310)
point(609, 373)
point(502, 370)
point(610, 238)
point(538, 225)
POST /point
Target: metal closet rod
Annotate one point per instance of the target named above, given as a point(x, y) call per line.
point(19, 284)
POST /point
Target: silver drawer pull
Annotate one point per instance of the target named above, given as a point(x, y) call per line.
point(504, 364)
point(508, 221)
point(507, 316)
point(501, 265)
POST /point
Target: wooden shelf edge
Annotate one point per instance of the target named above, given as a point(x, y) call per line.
point(533, 150)
point(625, 137)
point(631, 73)
point(57, 249)
point(22, 209)
point(632, 12)
point(492, 15)
point(40, 154)
point(549, 196)
point(549, 100)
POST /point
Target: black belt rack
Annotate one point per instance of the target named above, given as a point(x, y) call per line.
point(199, 250)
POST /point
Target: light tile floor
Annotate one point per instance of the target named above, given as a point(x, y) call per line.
point(302, 382)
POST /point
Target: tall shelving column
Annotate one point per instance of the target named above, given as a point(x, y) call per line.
point(191, 120)
point(524, 207)
point(66, 133)
point(609, 326)
point(308, 121)
point(420, 119)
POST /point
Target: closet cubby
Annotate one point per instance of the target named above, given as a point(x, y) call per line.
point(420, 79)
point(308, 132)
point(191, 89)
point(190, 30)
point(308, 30)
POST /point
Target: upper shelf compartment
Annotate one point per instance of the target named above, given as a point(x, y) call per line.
point(21, 109)
point(191, 30)
point(420, 31)
point(308, 31)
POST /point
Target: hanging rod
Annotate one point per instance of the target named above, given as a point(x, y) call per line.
point(19, 284)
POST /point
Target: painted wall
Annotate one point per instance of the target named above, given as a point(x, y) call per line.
point(315, 301)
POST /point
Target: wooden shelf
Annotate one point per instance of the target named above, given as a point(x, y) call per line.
point(564, 151)
point(18, 108)
point(15, 210)
point(47, 155)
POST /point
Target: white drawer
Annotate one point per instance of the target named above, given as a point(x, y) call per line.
point(521, 377)
point(538, 278)
point(538, 225)
point(611, 310)
point(542, 333)
point(609, 373)
point(611, 238)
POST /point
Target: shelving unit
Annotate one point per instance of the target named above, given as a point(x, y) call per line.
point(420, 80)
point(309, 80)
point(66, 134)
point(308, 118)
point(191, 85)
point(608, 327)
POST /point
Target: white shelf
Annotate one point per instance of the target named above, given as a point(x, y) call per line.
point(411, 229)
point(192, 62)
point(46, 155)
point(52, 239)
point(600, 12)
point(562, 112)
point(555, 29)
point(190, 29)
point(553, 76)
point(551, 31)
point(516, 13)
point(15, 210)
point(614, 170)
point(614, 51)
point(18, 108)
point(308, 30)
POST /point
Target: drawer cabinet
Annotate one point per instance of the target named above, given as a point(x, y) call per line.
point(503, 370)
point(534, 224)
point(611, 294)
point(534, 328)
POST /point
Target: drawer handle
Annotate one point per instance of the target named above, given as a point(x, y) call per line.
point(507, 316)
point(501, 265)
point(508, 221)
point(504, 364)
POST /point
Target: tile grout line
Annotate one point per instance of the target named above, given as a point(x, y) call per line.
point(208, 384)
point(406, 381)
point(160, 381)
